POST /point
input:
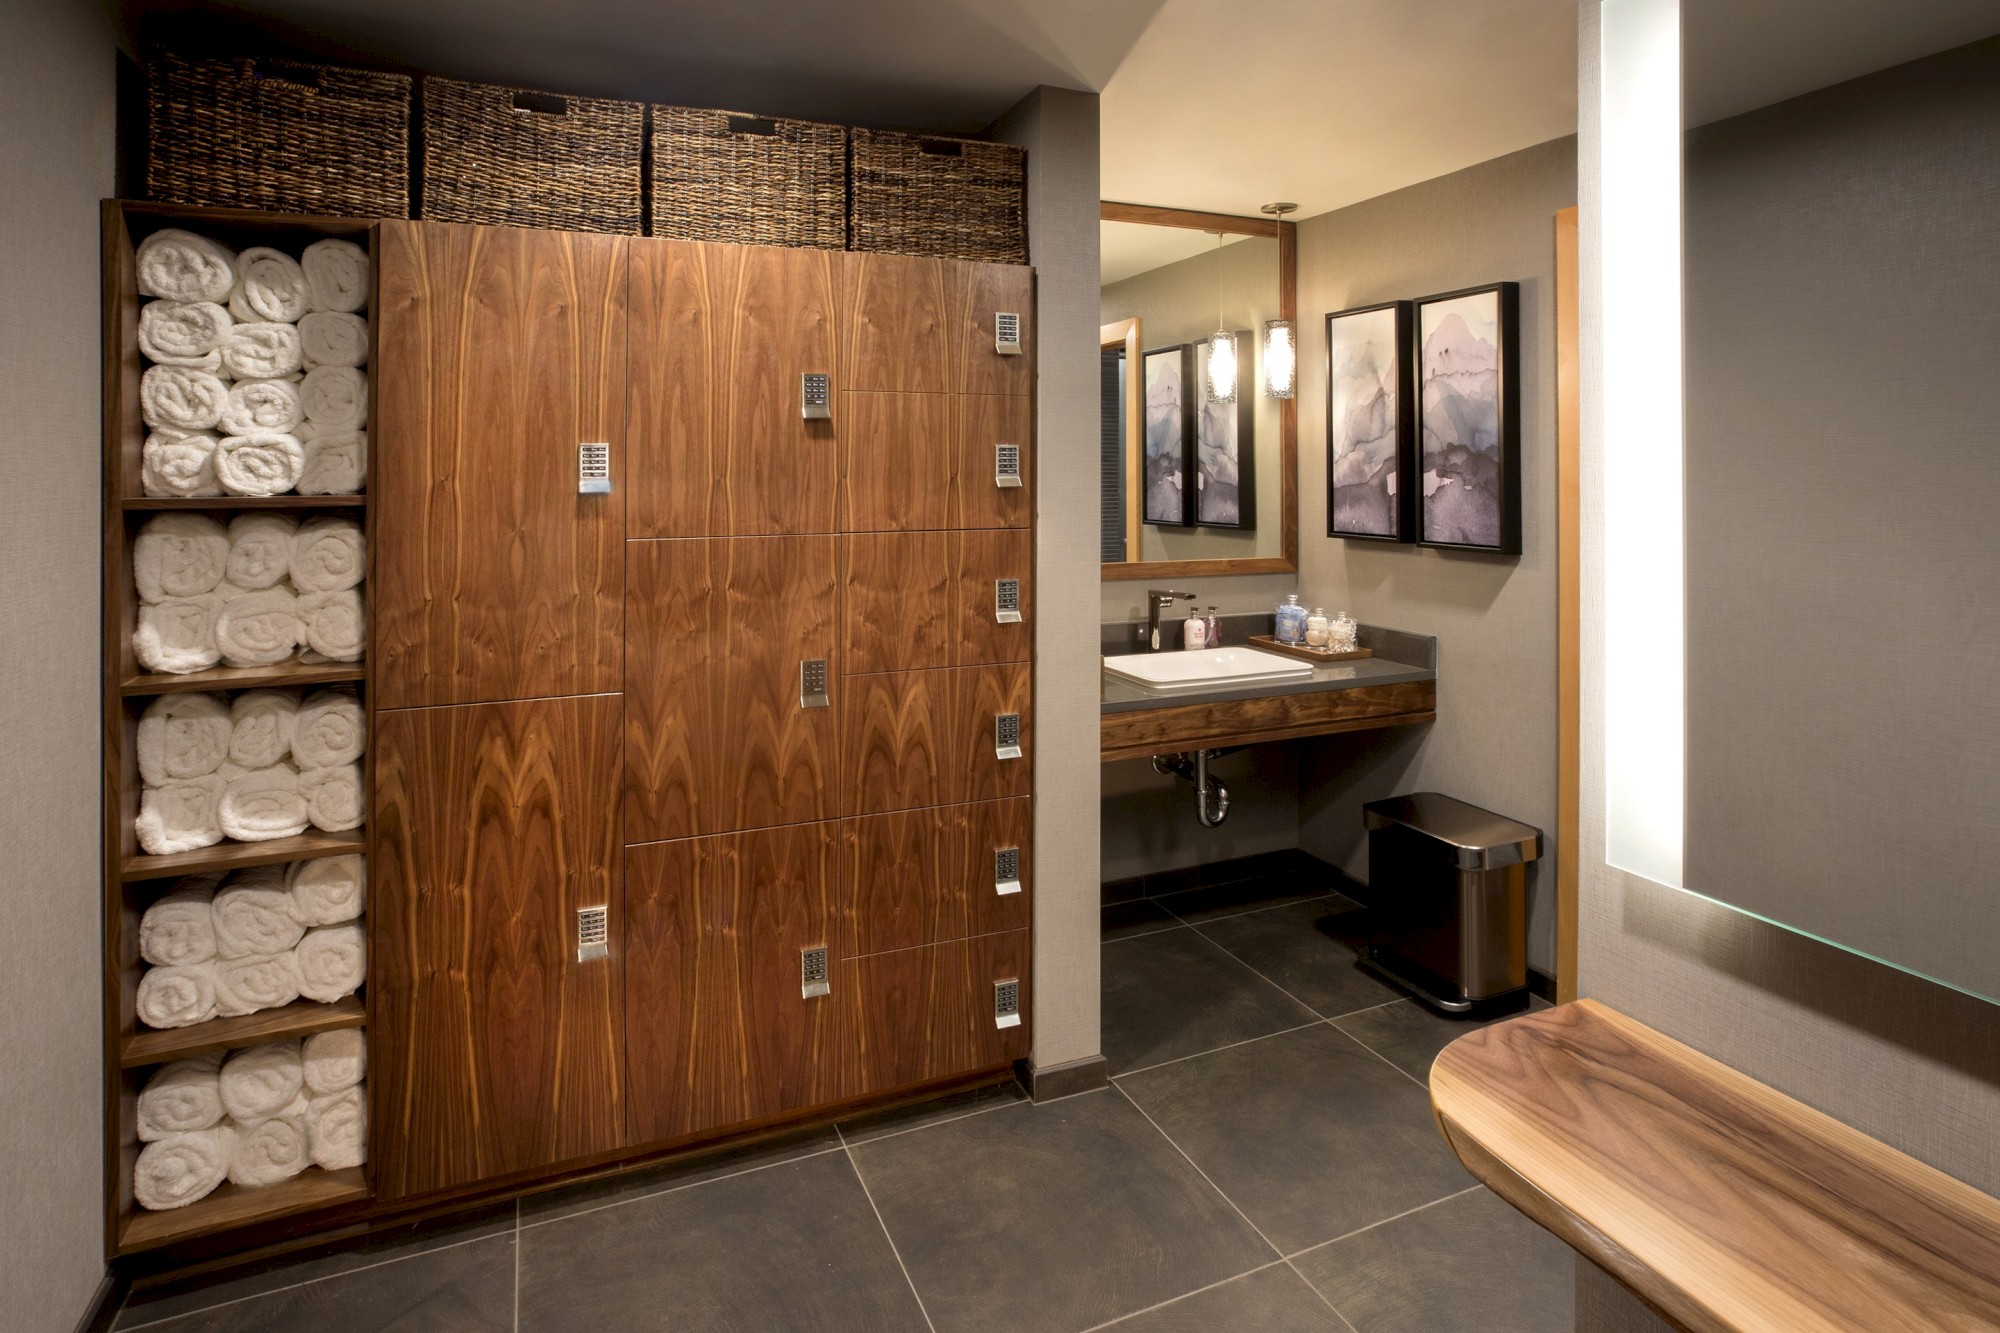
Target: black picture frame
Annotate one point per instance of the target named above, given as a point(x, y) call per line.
point(1241, 415)
point(1446, 412)
point(1398, 507)
point(1167, 448)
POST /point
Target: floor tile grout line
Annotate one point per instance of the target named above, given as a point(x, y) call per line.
point(869, 1195)
point(932, 1124)
point(1175, 924)
point(1186, 1295)
point(517, 1266)
point(307, 1282)
point(1266, 980)
point(1248, 911)
point(1324, 1299)
point(1226, 1046)
point(1198, 1171)
point(676, 1189)
point(1407, 1212)
point(1379, 1056)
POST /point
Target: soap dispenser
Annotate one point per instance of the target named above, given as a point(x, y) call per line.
point(1291, 621)
point(1195, 633)
point(1212, 636)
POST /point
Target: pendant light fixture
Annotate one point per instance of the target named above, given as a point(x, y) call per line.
point(1281, 339)
point(1222, 343)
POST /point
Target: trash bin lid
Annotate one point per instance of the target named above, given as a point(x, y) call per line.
point(1476, 839)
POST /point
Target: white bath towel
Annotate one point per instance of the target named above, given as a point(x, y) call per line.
point(337, 1126)
point(178, 929)
point(327, 555)
point(335, 1061)
point(259, 1082)
point(185, 1097)
point(331, 623)
point(327, 892)
point(262, 351)
point(270, 285)
point(334, 802)
point(182, 736)
point(329, 338)
point(181, 398)
point(335, 398)
point(258, 628)
point(332, 730)
point(179, 555)
point(261, 726)
point(182, 266)
point(178, 636)
point(251, 407)
point(262, 805)
point(265, 462)
point(271, 1151)
point(180, 816)
point(176, 997)
point(253, 915)
point(256, 983)
point(179, 1169)
point(176, 463)
point(337, 274)
point(185, 333)
point(333, 962)
point(336, 462)
point(260, 551)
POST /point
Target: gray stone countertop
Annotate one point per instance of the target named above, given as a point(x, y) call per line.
point(1399, 658)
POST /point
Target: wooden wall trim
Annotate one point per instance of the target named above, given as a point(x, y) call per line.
point(1273, 717)
point(1569, 594)
point(1125, 333)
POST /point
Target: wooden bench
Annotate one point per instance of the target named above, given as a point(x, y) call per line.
point(1719, 1201)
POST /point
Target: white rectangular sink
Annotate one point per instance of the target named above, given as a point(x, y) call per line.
point(1206, 669)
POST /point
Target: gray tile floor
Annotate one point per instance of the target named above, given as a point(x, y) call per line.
point(1264, 1160)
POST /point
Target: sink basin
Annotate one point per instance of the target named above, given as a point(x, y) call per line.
point(1206, 669)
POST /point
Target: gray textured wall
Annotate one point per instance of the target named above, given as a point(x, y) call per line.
point(55, 164)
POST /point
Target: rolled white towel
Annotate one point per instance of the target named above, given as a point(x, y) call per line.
point(258, 628)
point(335, 398)
point(253, 915)
point(176, 997)
point(179, 1169)
point(262, 351)
point(260, 805)
point(335, 1061)
point(327, 892)
point(181, 398)
point(182, 736)
point(178, 635)
point(178, 930)
point(327, 555)
point(258, 1082)
point(256, 983)
point(329, 338)
point(271, 1151)
point(180, 816)
point(337, 1126)
point(251, 407)
point(336, 274)
point(336, 462)
point(333, 962)
point(185, 333)
point(260, 550)
point(179, 555)
point(261, 726)
point(334, 801)
point(332, 625)
point(179, 464)
point(270, 285)
point(182, 266)
point(183, 1098)
point(332, 730)
point(265, 462)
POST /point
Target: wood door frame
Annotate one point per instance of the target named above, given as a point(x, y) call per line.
point(1286, 234)
point(1124, 334)
point(1569, 591)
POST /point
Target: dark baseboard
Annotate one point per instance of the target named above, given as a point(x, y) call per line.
point(103, 1306)
point(1065, 1080)
point(1160, 883)
point(1542, 985)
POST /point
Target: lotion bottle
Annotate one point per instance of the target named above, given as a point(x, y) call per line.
point(1194, 634)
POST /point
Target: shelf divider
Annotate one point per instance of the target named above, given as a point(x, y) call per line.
point(301, 1018)
point(158, 502)
point(293, 672)
point(241, 855)
point(232, 1206)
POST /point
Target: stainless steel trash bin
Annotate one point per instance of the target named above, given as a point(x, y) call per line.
point(1448, 901)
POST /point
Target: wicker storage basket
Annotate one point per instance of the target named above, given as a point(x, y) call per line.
point(721, 176)
point(277, 135)
point(524, 159)
point(922, 195)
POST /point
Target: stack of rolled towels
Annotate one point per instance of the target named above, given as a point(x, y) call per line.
point(260, 765)
point(259, 1117)
point(261, 939)
point(257, 384)
point(249, 594)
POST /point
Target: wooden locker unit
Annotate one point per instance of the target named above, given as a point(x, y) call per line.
point(502, 350)
point(915, 325)
point(917, 1015)
point(897, 455)
point(921, 877)
point(912, 600)
point(914, 739)
point(718, 1029)
point(721, 335)
point(495, 1049)
point(716, 737)
point(982, 423)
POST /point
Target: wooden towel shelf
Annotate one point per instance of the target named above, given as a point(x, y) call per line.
point(1719, 1201)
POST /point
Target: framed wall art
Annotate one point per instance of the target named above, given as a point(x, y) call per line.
point(1167, 487)
point(1370, 424)
point(1468, 480)
point(1225, 455)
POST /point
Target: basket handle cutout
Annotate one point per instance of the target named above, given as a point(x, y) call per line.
point(941, 147)
point(284, 71)
point(545, 104)
point(763, 126)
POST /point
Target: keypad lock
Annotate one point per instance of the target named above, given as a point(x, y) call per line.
point(812, 684)
point(1007, 871)
point(1007, 1003)
point(1007, 601)
point(1007, 333)
point(593, 933)
point(1006, 466)
point(1007, 736)
point(813, 980)
point(815, 397)
point(593, 469)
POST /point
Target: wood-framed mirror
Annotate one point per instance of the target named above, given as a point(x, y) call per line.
point(1170, 278)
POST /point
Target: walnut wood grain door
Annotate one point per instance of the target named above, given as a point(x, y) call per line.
point(920, 1015)
point(920, 877)
point(912, 600)
point(719, 1030)
point(493, 1049)
point(721, 335)
point(915, 325)
point(501, 349)
point(912, 739)
point(717, 738)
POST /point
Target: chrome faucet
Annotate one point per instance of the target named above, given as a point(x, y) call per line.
point(1158, 600)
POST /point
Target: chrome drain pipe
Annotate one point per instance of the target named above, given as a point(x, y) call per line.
point(1211, 798)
